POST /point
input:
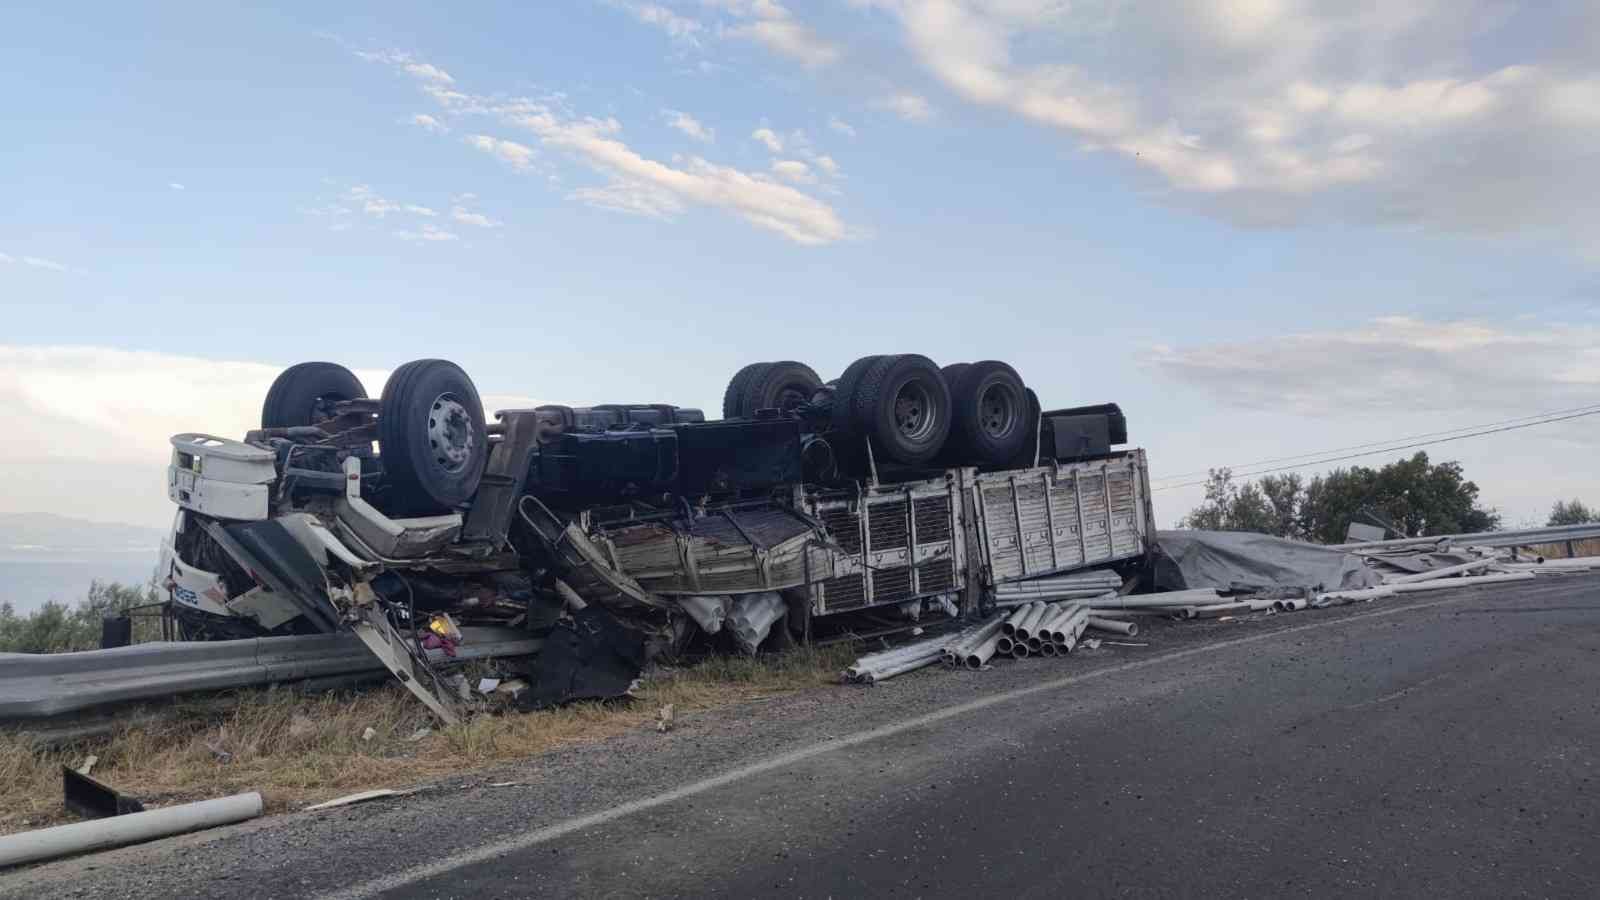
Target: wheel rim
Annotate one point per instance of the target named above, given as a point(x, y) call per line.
point(916, 415)
point(997, 410)
point(450, 437)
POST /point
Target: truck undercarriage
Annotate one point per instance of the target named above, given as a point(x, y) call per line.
point(623, 532)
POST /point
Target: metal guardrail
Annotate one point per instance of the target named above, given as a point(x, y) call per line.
point(1549, 535)
point(41, 685)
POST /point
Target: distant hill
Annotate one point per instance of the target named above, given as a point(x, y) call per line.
point(48, 533)
point(44, 556)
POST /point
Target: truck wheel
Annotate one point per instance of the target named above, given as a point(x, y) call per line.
point(991, 413)
point(733, 397)
point(1032, 440)
point(844, 392)
point(305, 393)
point(779, 385)
point(432, 435)
point(903, 404)
point(952, 374)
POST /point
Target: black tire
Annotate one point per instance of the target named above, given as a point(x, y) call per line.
point(429, 459)
point(733, 397)
point(302, 394)
point(990, 413)
point(778, 385)
point(903, 405)
point(952, 374)
point(1030, 442)
point(844, 393)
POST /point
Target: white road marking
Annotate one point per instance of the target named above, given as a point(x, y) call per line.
point(562, 829)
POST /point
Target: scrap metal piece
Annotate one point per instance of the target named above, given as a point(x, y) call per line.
point(94, 799)
point(391, 648)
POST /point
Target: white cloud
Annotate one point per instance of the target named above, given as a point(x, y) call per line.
point(402, 61)
point(468, 217)
point(826, 164)
point(635, 183)
point(414, 209)
point(782, 33)
point(428, 233)
point(428, 72)
point(793, 170)
point(911, 107)
point(689, 125)
point(841, 126)
point(1270, 111)
point(520, 156)
point(768, 138)
point(678, 27)
point(133, 402)
point(175, 186)
point(1396, 364)
point(7, 258)
point(38, 262)
point(429, 123)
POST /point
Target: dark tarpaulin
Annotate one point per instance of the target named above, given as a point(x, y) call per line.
point(1241, 560)
point(594, 657)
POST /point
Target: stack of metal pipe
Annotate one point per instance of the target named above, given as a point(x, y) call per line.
point(1058, 587)
point(875, 667)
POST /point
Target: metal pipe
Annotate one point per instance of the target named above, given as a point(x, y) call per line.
point(1073, 633)
point(98, 834)
point(1035, 644)
point(912, 664)
point(1469, 581)
point(985, 651)
point(1461, 569)
point(1019, 651)
point(1174, 598)
point(1289, 604)
point(1047, 648)
point(1031, 623)
point(1112, 626)
point(1004, 645)
point(1009, 626)
point(1068, 623)
point(1217, 610)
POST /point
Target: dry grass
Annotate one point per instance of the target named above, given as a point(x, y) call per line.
point(298, 749)
point(1559, 550)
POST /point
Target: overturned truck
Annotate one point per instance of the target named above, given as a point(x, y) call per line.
point(895, 493)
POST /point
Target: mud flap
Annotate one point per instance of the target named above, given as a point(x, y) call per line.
point(390, 647)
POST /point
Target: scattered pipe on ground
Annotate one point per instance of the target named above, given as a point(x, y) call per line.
point(1468, 581)
point(1019, 651)
point(1430, 575)
point(986, 651)
point(1047, 649)
point(1112, 626)
point(99, 834)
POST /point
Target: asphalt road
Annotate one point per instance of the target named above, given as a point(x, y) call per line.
point(1444, 745)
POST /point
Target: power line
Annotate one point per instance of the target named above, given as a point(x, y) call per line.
point(1410, 437)
point(1332, 459)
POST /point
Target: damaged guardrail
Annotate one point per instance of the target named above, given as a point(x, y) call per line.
point(41, 685)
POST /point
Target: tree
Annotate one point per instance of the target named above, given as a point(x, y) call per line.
point(1419, 497)
point(57, 627)
point(1230, 507)
point(1572, 512)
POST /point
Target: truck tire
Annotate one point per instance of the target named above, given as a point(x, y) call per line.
point(991, 413)
point(733, 397)
point(304, 393)
point(432, 436)
point(844, 393)
point(952, 374)
point(1031, 442)
point(778, 385)
point(903, 405)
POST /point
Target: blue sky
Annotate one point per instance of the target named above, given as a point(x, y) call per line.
point(1199, 212)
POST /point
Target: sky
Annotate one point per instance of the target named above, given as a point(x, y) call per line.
point(1264, 227)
